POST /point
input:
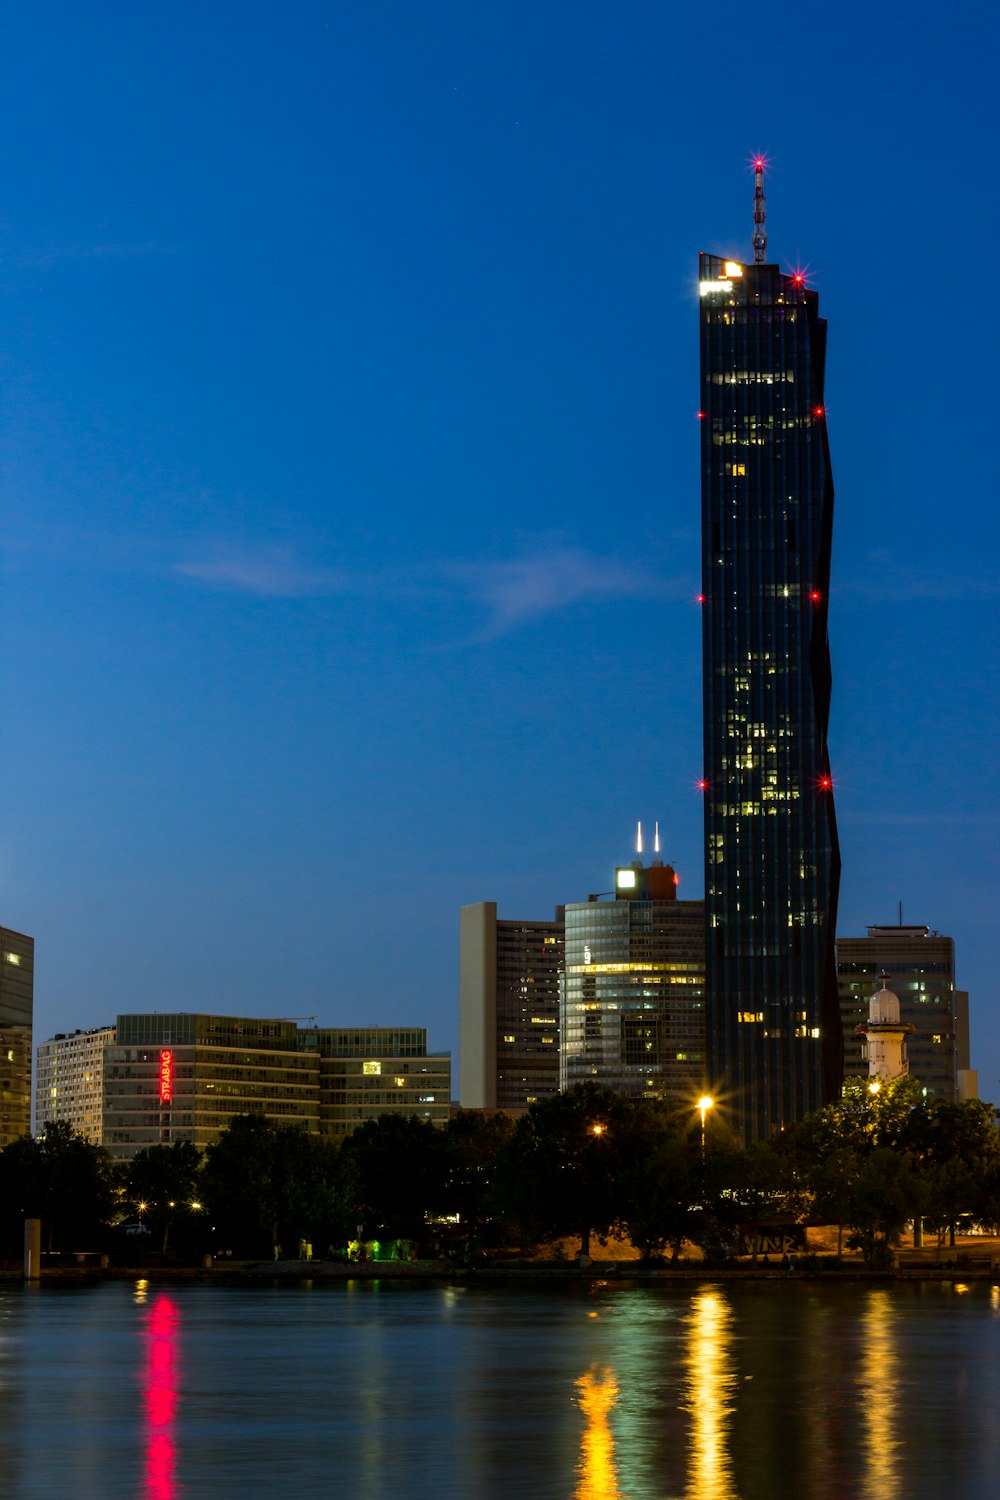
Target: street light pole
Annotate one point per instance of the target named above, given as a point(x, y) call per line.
point(705, 1103)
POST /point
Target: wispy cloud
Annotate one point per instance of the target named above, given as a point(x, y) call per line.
point(518, 590)
point(274, 576)
point(512, 592)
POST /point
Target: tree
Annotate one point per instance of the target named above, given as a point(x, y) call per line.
point(265, 1183)
point(563, 1170)
point(394, 1171)
point(958, 1146)
point(660, 1187)
point(881, 1198)
point(471, 1143)
point(62, 1179)
point(162, 1182)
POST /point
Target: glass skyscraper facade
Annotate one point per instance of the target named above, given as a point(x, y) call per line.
point(772, 858)
point(633, 989)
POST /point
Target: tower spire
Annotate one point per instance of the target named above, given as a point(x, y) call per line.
point(656, 837)
point(759, 213)
point(638, 837)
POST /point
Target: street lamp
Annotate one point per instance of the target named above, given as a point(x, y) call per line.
point(597, 1129)
point(705, 1103)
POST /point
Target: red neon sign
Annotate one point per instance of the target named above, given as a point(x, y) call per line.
point(166, 1076)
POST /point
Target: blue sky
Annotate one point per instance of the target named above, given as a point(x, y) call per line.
point(348, 460)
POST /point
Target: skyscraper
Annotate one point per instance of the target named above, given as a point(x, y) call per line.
point(772, 857)
point(17, 968)
point(633, 993)
point(509, 1009)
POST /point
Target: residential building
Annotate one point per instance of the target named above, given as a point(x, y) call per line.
point(17, 972)
point(920, 968)
point(69, 1081)
point(771, 851)
point(370, 1071)
point(509, 1009)
point(633, 991)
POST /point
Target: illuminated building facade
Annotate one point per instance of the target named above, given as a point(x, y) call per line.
point(920, 969)
point(69, 1081)
point(372, 1070)
point(633, 989)
point(172, 1078)
point(772, 856)
point(508, 1009)
point(185, 1077)
point(17, 972)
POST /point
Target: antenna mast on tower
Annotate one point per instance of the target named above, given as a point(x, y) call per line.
point(759, 213)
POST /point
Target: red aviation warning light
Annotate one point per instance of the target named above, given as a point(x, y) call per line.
point(699, 598)
point(166, 1076)
point(815, 596)
point(819, 411)
point(702, 786)
point(700, 415)
point(825, 783)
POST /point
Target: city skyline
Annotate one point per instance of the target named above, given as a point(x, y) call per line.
point(350, 447)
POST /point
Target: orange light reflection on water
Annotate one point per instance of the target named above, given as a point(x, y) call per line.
point(878, 1387)
point(708, 1392)
point(597, 1392)
point(160, 1395)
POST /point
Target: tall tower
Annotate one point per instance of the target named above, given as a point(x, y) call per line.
point(772, 857)
point(885, 1034)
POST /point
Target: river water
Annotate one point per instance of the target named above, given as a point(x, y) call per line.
point(372, 1390)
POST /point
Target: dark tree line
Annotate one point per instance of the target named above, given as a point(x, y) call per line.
point(585, 1163)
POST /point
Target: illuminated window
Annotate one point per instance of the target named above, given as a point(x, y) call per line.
point(13, 958)
point(400, 1083)
point(371, 1069)
point(510, 1037)
point(626, 880)
point(739, 471)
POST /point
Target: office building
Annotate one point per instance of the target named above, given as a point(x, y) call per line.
point(17, 971)
point(633, 991)
point(771, 850)
point(920, 968)
point(508, 1009)
point(69, 1081)
point(370, 1071)
point(172, 1078)
point(184, 1077)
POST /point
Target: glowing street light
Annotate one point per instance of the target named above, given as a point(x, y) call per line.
point(597, 1129)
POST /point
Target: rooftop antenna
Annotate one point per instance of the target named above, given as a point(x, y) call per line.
point(656, 837)
point(638, 837)
point(759, 213)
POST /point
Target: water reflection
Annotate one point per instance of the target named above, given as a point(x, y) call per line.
point(707, 1394)
point(878, 1387)
point(160, 1398)
point(597, 1393)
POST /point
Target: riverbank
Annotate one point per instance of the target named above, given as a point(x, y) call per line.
point(975, 1269)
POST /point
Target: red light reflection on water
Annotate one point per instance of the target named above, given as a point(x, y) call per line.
point(160, 1397)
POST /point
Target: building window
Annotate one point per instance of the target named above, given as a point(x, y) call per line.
point(371, 1069)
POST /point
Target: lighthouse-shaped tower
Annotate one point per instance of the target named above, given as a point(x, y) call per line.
point(885, 1034)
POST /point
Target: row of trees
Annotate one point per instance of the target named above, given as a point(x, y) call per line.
point(586, 1162)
